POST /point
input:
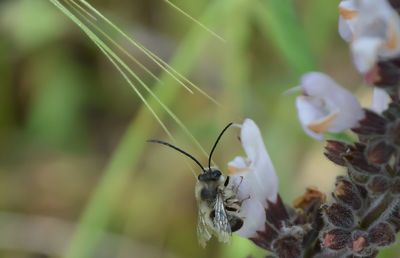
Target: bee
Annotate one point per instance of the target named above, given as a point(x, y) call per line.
point(216, 196)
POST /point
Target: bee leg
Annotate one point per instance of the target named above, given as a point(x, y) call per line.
point(226, 181)
point(245, 199)
point(237, 187)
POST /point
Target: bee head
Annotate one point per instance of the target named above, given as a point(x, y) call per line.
point(210, 175)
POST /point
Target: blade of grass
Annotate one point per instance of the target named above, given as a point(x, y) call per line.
point(96, 39)
point(279, 22)
point(121, 65)
point(146, 51)
point(99, 209)
point(113, 58)
point(81, 10)
point(195, 20)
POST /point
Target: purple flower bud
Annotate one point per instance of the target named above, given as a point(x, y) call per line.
point(372, 124)
point(347, 193)
point(335, 151)
point(382, 234)
point(336, 239)
point(378, 184)
point(339, 215)
point(358, 160)
point(384, 74)
point(394, 133)
point(396, 186)
point(287, 247)
point(379, 152)
point(359, 241)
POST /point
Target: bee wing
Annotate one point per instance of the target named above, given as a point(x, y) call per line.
point(221, 222)
point(203, 234)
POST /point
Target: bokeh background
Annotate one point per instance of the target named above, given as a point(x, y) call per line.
point(76, 176)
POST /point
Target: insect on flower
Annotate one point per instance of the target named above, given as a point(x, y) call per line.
point(216, 195)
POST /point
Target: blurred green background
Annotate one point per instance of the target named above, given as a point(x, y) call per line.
point(76, 176)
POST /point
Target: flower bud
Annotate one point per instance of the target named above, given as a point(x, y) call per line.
point(335, 151)
point(359, 241)
point(287, 247)
point(393, 112)
point(359, 163)
point(372, 124)
point(394, 133)
point(394, 216)
point(378, 184)
point(264, 238)
point(396, 186)
point(360, 179)
point(382, 234)
point(384, 74)
point(347, 193)
point(336, 239)
point(379, 152)
point(339, 215)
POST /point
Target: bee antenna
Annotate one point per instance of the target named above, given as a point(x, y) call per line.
point(215, 144)
point(178, 149)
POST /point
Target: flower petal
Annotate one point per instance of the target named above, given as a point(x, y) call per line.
point(344, 30)
point(326, 106)
point(262, 174)
point(348, 9)
point(380, 100)
point(323, 124)
point(253, 214)
point(307, 113)
point(365, 53)
point(255, 179)
point(348, 12)
point(238, 165)
point(373, 28)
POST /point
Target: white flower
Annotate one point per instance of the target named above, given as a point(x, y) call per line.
point(373, 29)
point(256, 178)
point(325, 106)
point(380, 100)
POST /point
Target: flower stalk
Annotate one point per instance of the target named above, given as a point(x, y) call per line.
point(363, 215)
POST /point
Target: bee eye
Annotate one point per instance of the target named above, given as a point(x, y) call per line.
point(216, 174)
